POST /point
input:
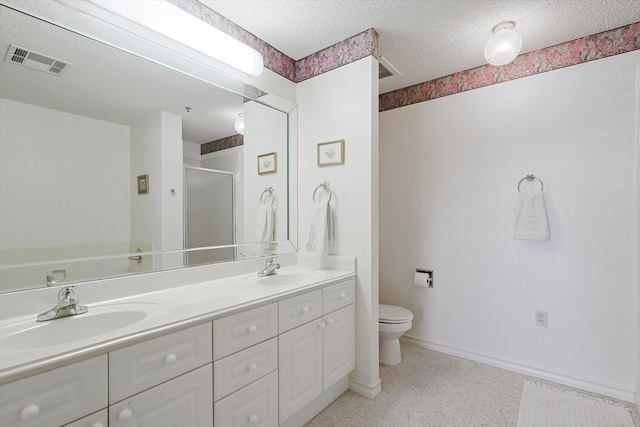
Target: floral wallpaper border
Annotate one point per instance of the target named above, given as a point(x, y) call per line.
point(222, 144)
point(342, 53)
point(589, 48)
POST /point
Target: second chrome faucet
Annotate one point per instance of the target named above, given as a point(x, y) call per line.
point(270, 267)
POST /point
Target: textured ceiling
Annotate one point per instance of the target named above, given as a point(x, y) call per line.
point(109, 84)
point(423, 39)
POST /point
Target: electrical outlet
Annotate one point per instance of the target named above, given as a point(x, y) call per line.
point(542, 318)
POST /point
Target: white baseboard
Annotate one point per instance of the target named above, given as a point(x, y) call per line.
point(365, 390)
point(617, 392)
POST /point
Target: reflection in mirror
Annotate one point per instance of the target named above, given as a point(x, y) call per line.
point(93, 179)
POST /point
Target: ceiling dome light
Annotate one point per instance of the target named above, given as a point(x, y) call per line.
point(239, 124)
point(504, 45)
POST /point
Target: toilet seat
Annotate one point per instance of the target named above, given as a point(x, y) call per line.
point(391, 314)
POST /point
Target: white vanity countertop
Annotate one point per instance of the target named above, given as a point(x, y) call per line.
point(170, 309)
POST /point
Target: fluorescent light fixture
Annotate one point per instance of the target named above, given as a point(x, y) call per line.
point(171, 21)
point(504, 45)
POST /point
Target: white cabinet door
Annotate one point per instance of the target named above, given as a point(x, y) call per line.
point(256, 405)
point(300, 367)
point(339, 351)
point(185, 401)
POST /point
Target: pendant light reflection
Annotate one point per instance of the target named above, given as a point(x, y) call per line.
point(504, 45)
point(239, 124)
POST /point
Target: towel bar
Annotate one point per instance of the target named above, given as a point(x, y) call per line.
point(324, 185)
point(530, 178)
point(268, 190)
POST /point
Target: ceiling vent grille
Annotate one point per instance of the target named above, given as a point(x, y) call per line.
point(36, 61)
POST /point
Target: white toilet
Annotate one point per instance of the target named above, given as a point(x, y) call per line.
point(393, 321)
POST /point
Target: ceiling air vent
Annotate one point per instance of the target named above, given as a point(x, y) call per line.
point(385, 69)
point(36, 61)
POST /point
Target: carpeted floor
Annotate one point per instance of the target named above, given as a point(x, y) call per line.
point(434, 389)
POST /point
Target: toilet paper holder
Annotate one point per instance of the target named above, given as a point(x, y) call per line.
point(429, 273)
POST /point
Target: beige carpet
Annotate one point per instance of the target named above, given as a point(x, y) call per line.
point(430, 389)
point(549, 406)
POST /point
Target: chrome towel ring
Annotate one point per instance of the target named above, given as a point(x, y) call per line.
point(324, 185)
point(270, 191)
point(530, 178)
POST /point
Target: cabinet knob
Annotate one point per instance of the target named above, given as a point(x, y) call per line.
point(329, 321)
point(98, 424)
point(253, 418)
point(125, 415)
point(29, 412)
point(343, 296)
point(305, 309)
point(252, 329)
point(170, 359)
point(252, 367)
point(321, 325)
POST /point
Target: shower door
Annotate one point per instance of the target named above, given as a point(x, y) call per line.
point(209, 215)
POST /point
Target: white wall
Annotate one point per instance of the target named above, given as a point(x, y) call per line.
point(342, 104)
point(448, 175)
point(48, 159)
point(156, 150)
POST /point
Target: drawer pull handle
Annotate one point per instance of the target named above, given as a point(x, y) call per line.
point(253, 418)
point(252, 329)
point(252, 367)
point(305, 309)
point(329, 321)
point(343, 296)
point(29, 412)
point(98, 424)
point(125, 415)
point(321, 325)
point(170, 359)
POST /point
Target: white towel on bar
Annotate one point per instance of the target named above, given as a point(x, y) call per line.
point(531, 221)
point(265, 223)
point(321, 230)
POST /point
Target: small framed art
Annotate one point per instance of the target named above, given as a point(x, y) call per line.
point(331, 153)
point(143, 184)
point(267, 163)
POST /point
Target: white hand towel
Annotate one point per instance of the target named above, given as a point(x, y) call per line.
point(265, 223)
point(531, 221)
point(321, 230)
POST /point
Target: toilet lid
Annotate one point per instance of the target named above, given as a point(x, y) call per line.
point(393, 314)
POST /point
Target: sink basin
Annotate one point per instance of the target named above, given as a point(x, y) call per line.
point(100, 320)
point(287, 277)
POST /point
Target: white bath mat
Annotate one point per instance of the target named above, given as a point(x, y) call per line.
point(543, 405)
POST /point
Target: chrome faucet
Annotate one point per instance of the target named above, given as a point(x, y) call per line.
point(270, 267)
point(67, 305)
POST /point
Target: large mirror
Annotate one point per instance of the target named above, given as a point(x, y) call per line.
point(112, 164)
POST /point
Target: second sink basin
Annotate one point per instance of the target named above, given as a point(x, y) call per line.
point(100, 320)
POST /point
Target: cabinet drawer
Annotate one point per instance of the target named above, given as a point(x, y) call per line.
point(236, 371)
point(339, 295)
point(55, 397)
point(299, 310)
point(242, 330)
point(254, 405)
point(141, 366)
point(99, 419)
point(184, 401)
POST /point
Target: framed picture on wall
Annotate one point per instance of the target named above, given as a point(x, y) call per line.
point(143, 184)
point(331, 153)
point(267, 163)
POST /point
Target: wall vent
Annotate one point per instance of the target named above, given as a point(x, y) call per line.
point(385, 69)
point(36, 61)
